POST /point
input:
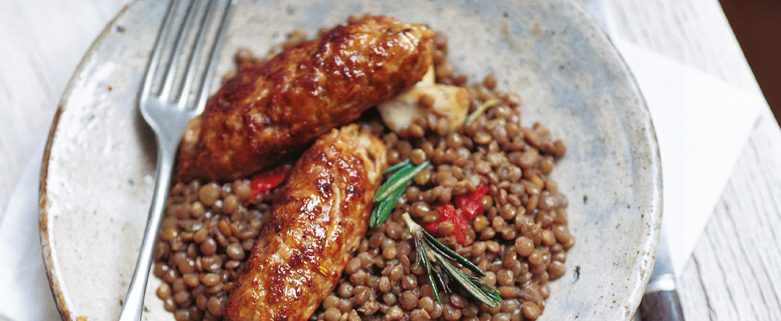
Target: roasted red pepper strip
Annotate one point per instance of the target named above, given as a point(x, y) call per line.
point(268, 180)
point(471, 204)
point(449, 213)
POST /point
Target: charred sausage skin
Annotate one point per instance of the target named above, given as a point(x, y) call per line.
point(273, 109)
point(319, 218)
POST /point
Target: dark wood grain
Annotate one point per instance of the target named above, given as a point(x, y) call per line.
point(756, 25)
point(661, 306)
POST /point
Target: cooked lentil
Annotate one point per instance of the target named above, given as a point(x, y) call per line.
point(519, 241)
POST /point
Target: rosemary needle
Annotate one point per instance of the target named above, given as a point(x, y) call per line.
point(396, 167)
point(388, 194)
point(481, 109)
point(383, 209)
point(399, 178)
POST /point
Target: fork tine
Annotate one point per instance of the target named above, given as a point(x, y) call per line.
point(154, 62)
point(173, 61)
point(195, 55)
point(203, 89)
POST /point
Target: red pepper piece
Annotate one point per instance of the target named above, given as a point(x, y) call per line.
point(449, 213)
point(471, 204)
point(268, 180)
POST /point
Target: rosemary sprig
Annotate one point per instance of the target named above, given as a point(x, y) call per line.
point(481, 109)
point(436, 259)
point(389, 193)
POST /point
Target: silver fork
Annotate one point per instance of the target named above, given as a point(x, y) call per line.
point(167, 111)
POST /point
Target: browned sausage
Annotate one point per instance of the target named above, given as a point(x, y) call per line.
point(274, 109)
point(319, 218)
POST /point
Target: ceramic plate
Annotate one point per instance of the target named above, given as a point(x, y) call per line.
point(96, 179)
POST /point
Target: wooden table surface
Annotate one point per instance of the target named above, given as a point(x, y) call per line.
point(734, 273)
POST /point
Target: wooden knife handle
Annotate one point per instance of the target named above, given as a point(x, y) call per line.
point(661, 306)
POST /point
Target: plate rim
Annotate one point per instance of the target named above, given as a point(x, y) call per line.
point(43, 214)
point(648, 246)
point(657, 200)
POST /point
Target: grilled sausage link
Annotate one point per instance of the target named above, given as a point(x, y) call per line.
point(270, 110)
point(319, 218)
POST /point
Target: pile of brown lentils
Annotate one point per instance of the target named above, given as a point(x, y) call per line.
point(520, 241)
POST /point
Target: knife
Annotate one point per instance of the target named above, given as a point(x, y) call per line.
point(660, 301)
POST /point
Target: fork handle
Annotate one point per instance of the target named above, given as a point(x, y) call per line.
point(134, 299)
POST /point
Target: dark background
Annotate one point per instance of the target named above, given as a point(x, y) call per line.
point(757, 25)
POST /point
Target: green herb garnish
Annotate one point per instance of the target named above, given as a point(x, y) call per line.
point(481, 109)
point(436, 259)
point(432, 255)
point(397, 167)
point(389, 193)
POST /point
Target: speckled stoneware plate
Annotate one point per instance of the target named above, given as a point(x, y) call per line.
point(96, 179)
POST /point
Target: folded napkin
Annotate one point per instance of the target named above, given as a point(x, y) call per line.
point(702, 124)
point(23, 286)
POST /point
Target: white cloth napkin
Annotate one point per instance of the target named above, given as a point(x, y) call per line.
point(702, 124)
point(24, 290)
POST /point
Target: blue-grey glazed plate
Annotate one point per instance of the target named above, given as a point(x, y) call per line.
point(96, 180)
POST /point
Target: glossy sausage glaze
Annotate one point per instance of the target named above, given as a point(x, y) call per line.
point(319, 218)
point(270, 110)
